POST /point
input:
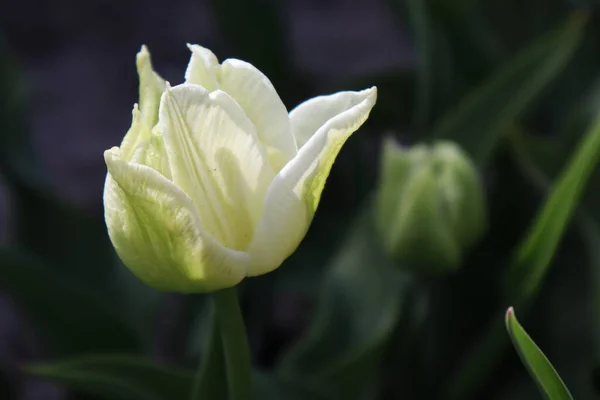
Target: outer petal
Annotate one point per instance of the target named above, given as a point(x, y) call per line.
point(154, 228)
point(216, 158)
point(253, 91)
point(146, 115)
point(202, 68)
point(294, 195)
point(309, 116)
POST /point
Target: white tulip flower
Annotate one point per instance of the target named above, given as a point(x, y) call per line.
point(215, 181)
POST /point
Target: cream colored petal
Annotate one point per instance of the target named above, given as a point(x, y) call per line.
point(156, 232)
point(134, 136)
point(152, 153)
point(216, 158)
point(294, 195)
point(146, 115)
point(203, 68)
point(309, 116)
point(253, 91)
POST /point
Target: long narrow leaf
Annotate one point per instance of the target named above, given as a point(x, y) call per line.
point(540, 369)
point(535, 253)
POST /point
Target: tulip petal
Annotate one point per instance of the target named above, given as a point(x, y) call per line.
point(310, 115)
point(253, 91)
point(294, 195)
point(153, 154)
point(155, 230)
point(152, 87)
point(202, 68)
point(216, 158)
point(146, 115)
point(134, 136)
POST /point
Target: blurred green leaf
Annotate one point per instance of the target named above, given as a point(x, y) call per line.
point(360, 305)
point(542, 157)
point(481, 118)
point(578, 293)
point(532, 259)
point(118, 376)
point(540, 369)
point(535, 252)
point(456, 47)
point(434, 61)
point(446, 33)
point(135, 378)
point(72, 317)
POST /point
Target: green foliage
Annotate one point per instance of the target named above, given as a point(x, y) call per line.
point(536, 362)
point(360, 305)
point(514, 83)
point(73, 318)
point(534, 255)
point(485, 114)
point(117, 376)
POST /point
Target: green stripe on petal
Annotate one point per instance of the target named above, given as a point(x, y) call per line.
point(253, 91)
point(156, 232)
point(216, 158)
point(294, 195)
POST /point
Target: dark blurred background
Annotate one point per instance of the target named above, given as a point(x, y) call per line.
point(68, 86)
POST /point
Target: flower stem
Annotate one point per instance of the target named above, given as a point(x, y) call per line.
point(210, 377)
point(235, 345)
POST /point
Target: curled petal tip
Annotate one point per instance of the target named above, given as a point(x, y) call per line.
point(111, 154)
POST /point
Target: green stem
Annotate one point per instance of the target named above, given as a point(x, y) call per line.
point(235, 344)
point(211, 374)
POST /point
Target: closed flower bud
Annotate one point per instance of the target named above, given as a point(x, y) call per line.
point(430, 205)
point(215, 181)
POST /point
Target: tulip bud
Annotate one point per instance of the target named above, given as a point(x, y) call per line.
point(215, 181)
point(430, 205)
